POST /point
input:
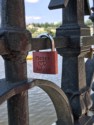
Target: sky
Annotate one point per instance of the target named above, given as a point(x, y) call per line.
point(37, 12)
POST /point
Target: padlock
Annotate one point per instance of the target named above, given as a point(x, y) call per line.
point(46, 62)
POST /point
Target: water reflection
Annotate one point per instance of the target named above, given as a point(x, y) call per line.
point(41, 109)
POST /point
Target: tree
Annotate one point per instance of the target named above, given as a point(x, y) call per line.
point(88, 22)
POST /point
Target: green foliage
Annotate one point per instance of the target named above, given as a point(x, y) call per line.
point(88, 22)
point(37, 28)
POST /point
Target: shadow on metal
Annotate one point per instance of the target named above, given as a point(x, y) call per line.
point(85, 120)
point(59, 99)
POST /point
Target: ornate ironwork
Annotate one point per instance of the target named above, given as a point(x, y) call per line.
point(73, 42)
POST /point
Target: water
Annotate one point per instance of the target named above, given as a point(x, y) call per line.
point(41, 109)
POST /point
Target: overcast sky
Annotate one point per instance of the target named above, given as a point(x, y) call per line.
point(37, 11)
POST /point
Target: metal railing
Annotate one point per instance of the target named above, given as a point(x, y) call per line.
point(73, 42)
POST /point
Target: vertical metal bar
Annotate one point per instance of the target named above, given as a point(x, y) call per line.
point(73, 72)
point(18, 110)
point(13, 17)
point(17, 105)
point(12, 13)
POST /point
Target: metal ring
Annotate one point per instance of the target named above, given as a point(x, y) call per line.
point(46, 35)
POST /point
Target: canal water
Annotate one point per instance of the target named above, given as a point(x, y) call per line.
point(41, 109)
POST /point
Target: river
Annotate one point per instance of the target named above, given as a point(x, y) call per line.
point(41, 109)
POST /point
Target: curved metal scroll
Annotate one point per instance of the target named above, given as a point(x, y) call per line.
point(59, 99)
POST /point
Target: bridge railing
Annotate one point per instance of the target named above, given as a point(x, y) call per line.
point(73, 42)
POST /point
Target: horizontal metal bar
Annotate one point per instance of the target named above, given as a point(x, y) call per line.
point(87, 40)
point(44, 43)
point(62, 42)
point(9, 89)
point(86, 43)
point(37, 44)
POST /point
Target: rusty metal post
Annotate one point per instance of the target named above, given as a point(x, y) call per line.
point(73, 73)
point(16, 38)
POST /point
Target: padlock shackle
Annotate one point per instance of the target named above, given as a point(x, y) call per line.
point(46, 35)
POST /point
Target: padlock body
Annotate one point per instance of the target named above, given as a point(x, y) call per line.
point(45, 62)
